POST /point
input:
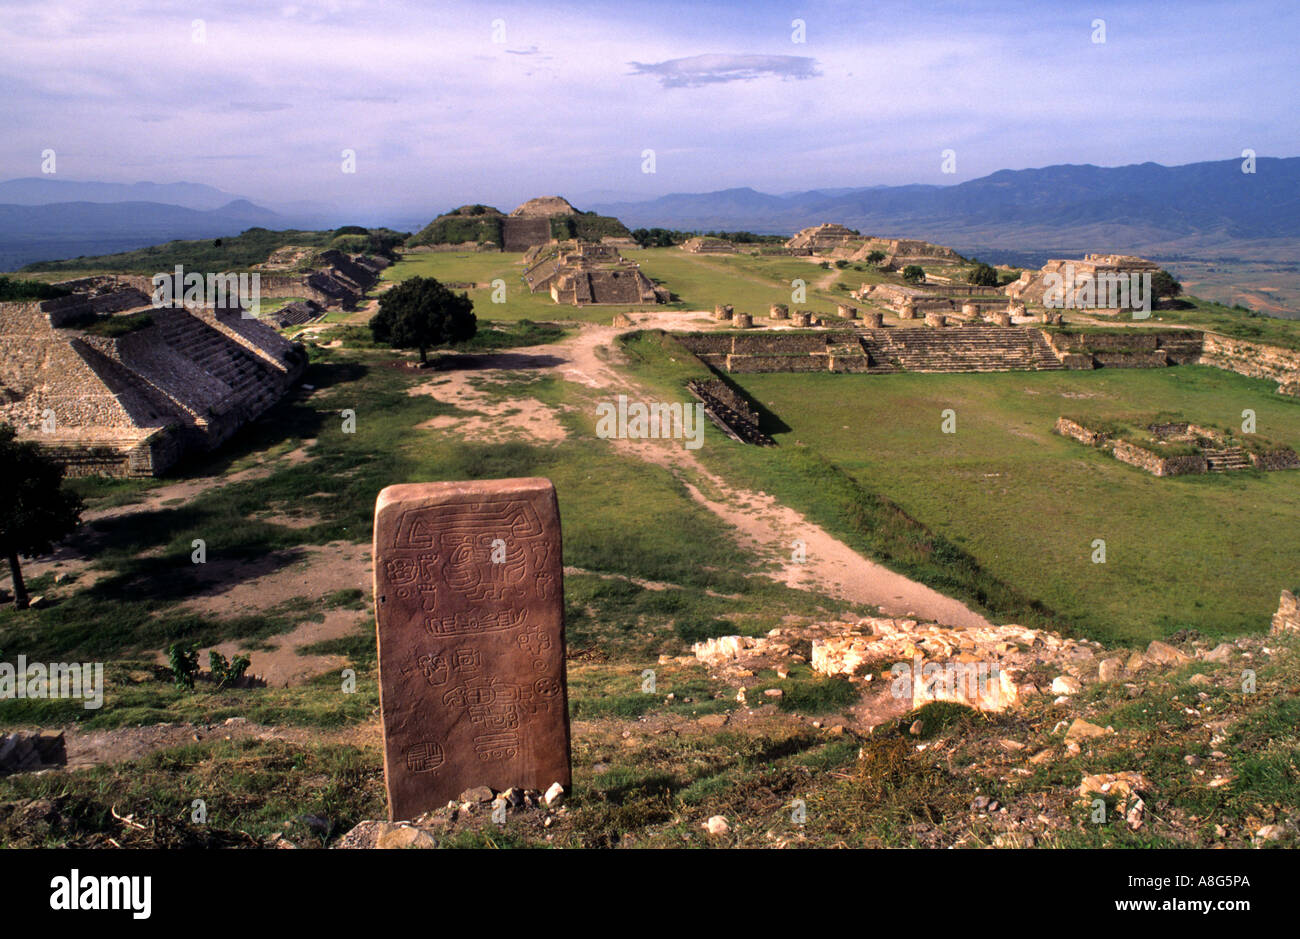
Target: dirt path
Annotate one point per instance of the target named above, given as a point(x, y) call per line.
point(86, 748)
point(761, 523)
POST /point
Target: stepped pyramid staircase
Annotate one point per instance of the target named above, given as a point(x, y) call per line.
point(254, 385)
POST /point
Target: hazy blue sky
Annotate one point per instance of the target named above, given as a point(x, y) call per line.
point(440, 114)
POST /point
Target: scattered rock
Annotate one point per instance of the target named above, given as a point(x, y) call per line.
point(713, 720)
point(1083, 730)
point(1200, 680)
point(1014, 839)
point(1064, 684)
point(1220, 653)
point(1162, 653)
point(1270, 833)
point(554, 795)
point(477, 794)
point(403, 836)
point(1110, 669)
point(916, 728)
point(717, 826)
point(1123, 785)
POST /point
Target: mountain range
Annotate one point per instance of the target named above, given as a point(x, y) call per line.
point(1201, 211)
point(71, 229)
point(1198, 209)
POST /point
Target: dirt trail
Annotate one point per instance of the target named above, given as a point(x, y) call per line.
point(762, 523)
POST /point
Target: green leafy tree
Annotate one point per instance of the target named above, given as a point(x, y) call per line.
point(875, 257)
point(1164, 285)
point(420, 313)
point(914, 274)
point(35, 510)
point(983, 275)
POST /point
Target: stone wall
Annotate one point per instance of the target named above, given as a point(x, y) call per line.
point(752, 364)
point(729, 411)
point(1155, 464)
point(1252, 359)
point(1283, 458)
point(1068, 428)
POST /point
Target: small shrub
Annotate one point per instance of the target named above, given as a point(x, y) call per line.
point(184, 664)
point(225, 673)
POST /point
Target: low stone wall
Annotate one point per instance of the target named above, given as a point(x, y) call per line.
point(1155, 464)
point(152, 456)
point(1281, 459)
point(1252, 359)
point(1068, 428)
point(729, 411)
point(762, 364)
point(1154, 359)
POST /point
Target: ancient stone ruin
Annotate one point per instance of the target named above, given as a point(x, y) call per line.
point(585, 273)
point(729, 411)
point(1178, 448)
point(131, 393)
point(469, 598)
point(702, 245)
point(821, 239)
point(1032, 285)
point(835, 241)
point(876, 350)
point(335, 281)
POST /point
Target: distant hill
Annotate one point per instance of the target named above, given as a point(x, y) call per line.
point(44, 190)
point(1198, 208)
point(69, 229)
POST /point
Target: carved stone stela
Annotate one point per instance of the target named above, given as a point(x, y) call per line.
point(469, 598)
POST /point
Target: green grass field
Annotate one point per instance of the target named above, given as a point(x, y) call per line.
point(1210, 553)
point(750, 284)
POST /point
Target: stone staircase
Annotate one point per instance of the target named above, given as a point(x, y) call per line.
point(254, 386)
point(1226, 460)
point(959, 349)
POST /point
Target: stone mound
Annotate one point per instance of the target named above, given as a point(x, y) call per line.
point(544, 207)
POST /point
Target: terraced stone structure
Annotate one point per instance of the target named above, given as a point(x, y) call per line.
point(708, 246)
point(131, 393)
point(583, 273)
point(1179, 448)
point(836, 241)
point(1032, 284)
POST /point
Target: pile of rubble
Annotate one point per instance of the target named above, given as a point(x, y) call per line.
point(990, 668)
point(480, 801)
